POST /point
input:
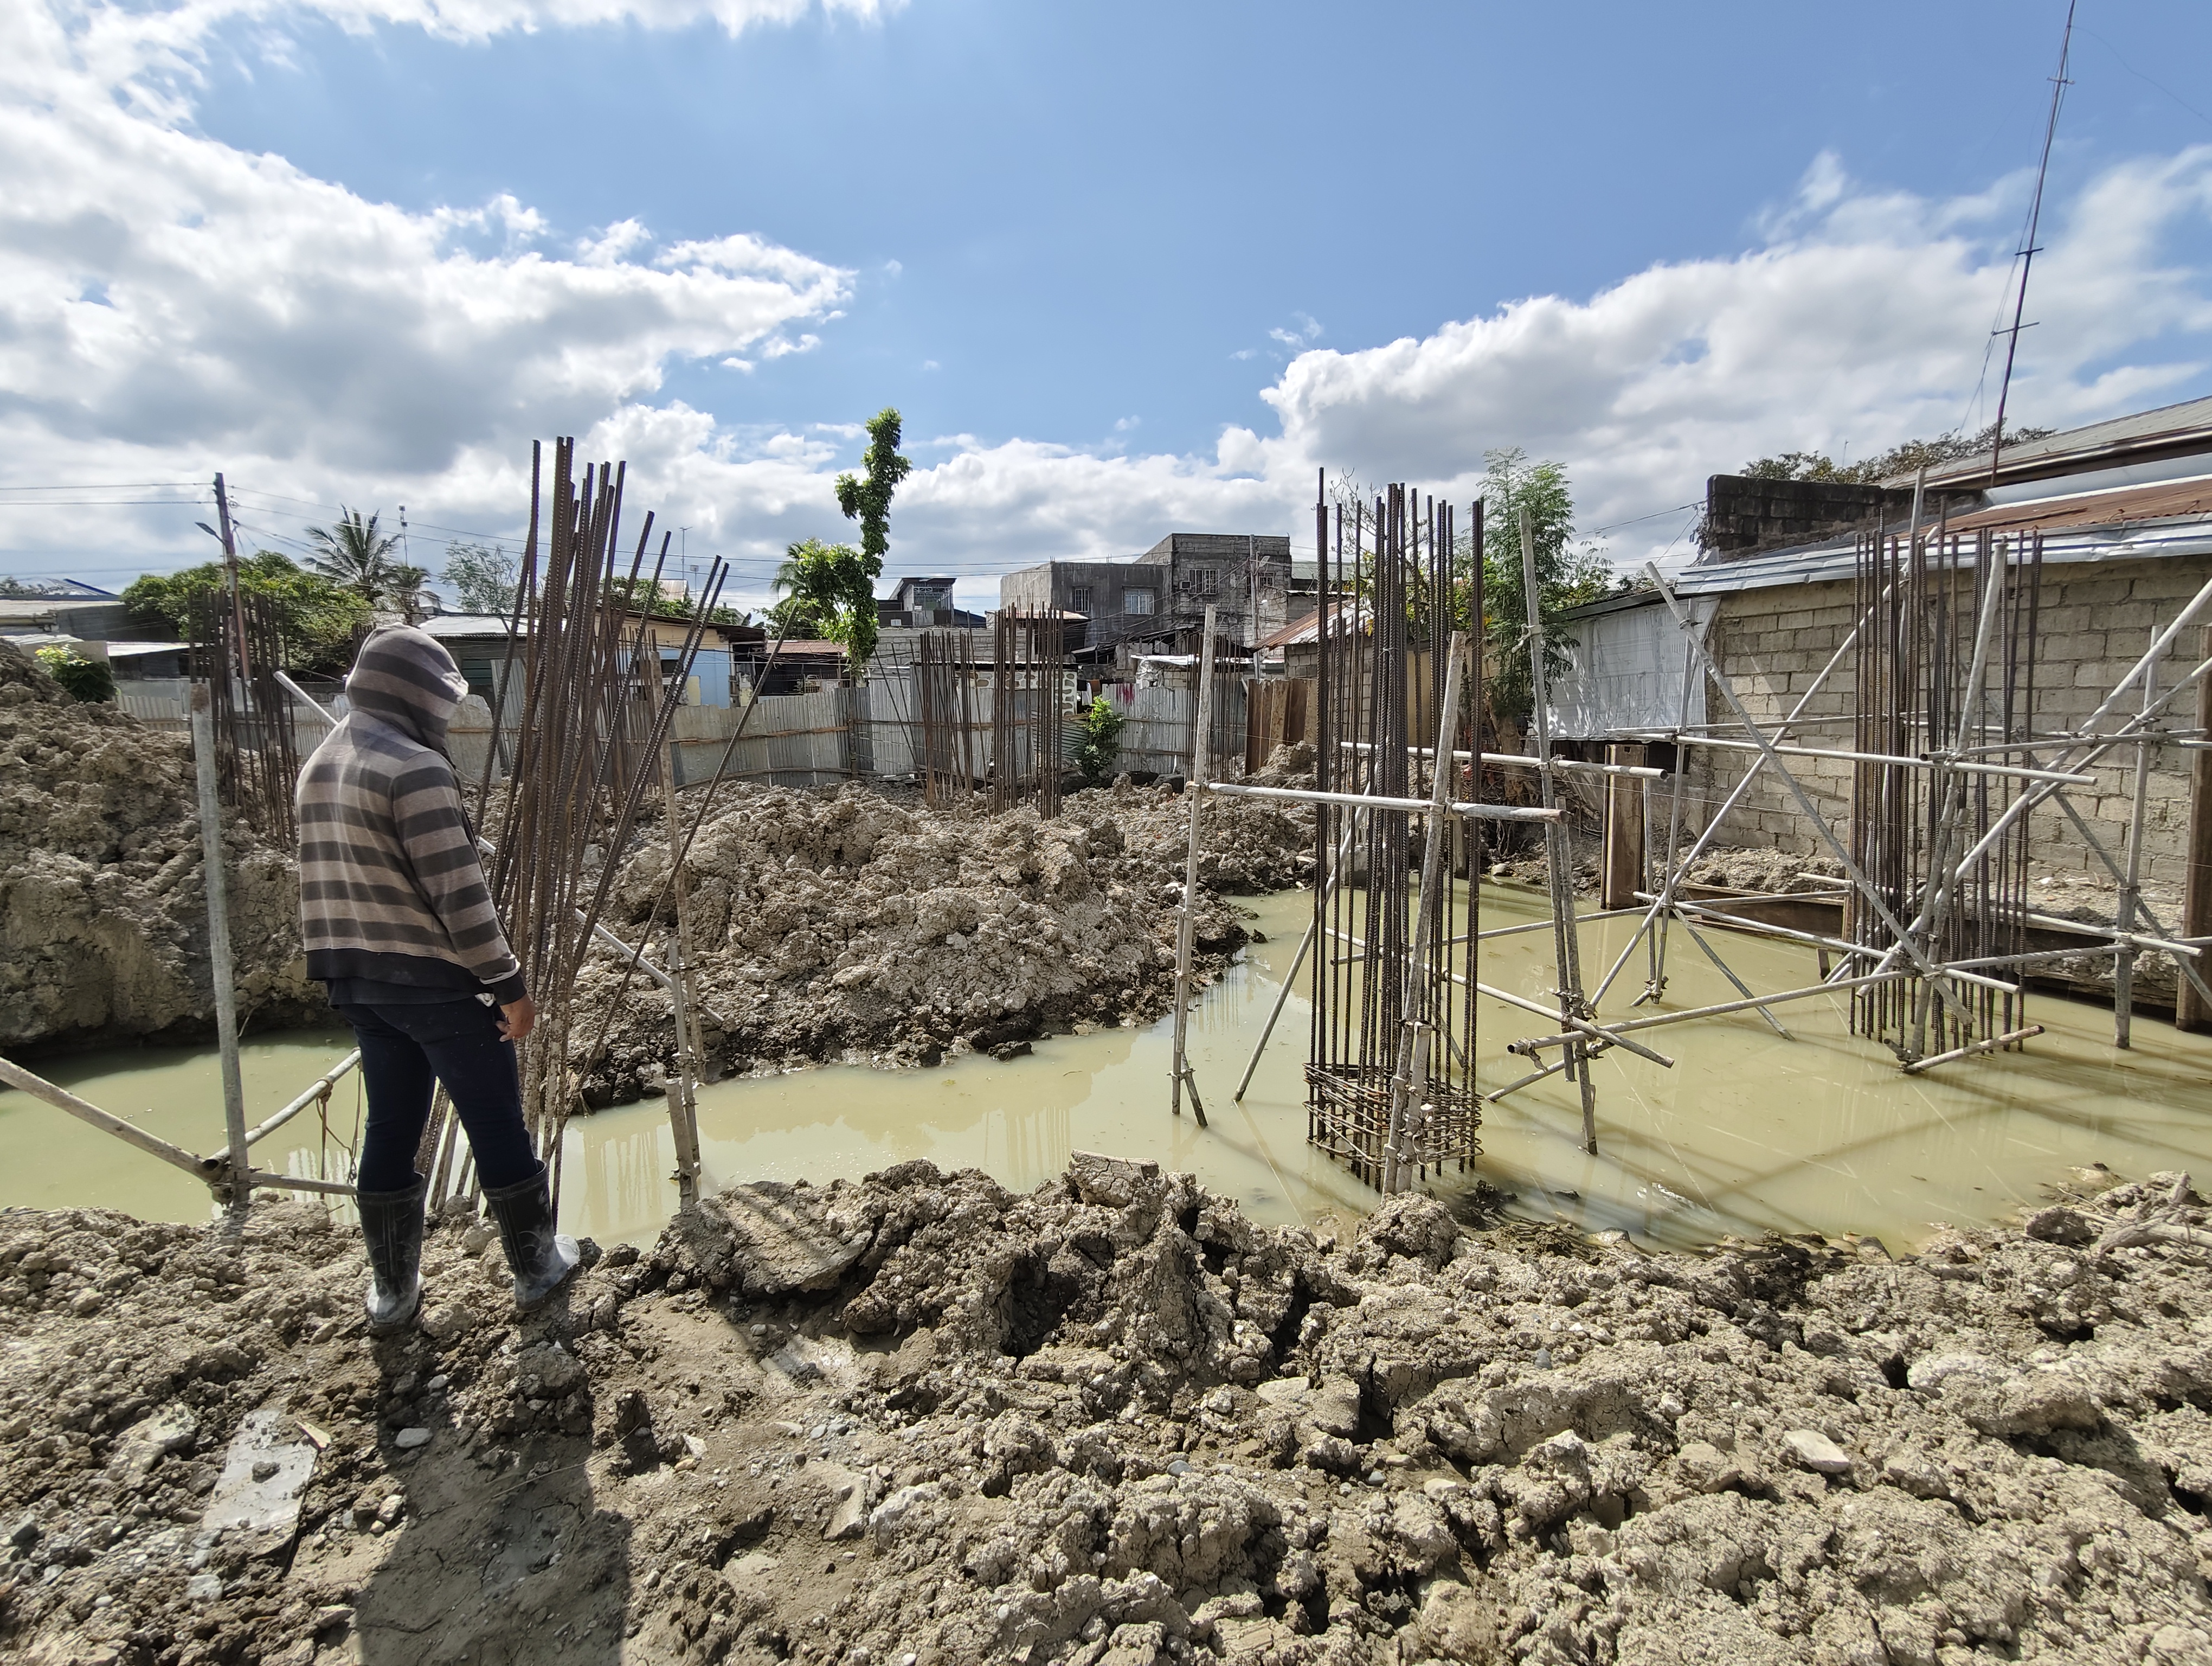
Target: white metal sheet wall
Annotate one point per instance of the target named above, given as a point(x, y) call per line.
point(1627, 673)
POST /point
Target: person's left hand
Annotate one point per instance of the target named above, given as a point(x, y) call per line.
point(518, 1018)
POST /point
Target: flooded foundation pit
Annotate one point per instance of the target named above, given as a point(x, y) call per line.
point(1748, 1133)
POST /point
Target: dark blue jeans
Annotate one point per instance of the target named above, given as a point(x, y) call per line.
point(404, 1050)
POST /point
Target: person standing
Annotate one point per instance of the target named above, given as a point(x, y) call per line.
point(397, 922)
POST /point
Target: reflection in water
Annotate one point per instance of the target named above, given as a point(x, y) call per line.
point(1748, 1132)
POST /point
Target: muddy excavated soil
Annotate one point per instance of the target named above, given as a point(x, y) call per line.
point(919, 1419)
point(850, 926)
point(841, 925)
point(103, 918)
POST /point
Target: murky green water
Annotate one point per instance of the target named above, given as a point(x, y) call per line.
point(1747, 1132)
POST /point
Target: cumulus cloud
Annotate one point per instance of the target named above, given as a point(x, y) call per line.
point(169, 305)
point(1864, 319)
point(167, 301)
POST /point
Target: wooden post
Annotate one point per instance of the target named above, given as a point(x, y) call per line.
point(1624, 832)
point(219, 955)
point(1201, 733)
point(2190, 1010)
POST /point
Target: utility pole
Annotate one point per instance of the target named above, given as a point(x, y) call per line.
point(230, 579)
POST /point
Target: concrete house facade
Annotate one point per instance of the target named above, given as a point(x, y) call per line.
point(1157, 602)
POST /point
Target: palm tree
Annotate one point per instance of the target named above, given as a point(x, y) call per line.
point(356, 557)
point(815, 581)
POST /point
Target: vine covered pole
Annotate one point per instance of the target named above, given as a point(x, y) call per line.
point(1560, 862)
point(1201, 745)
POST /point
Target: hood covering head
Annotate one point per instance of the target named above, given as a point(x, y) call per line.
point(409, 680)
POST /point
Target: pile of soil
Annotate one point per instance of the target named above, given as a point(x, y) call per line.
point(850, 926)
point(918, 1419)
point(103, 916)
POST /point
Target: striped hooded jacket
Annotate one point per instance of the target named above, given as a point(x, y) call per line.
point(390, 886)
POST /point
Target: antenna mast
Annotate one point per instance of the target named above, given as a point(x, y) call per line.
point(2028, 251)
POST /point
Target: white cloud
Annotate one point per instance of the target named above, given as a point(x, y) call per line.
point(169, 305)
point(1863, 323)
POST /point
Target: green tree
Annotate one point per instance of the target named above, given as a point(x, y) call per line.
point(482, 577)
point(356, 557)
point(1567, 574)
point(867, 498)
point(1097, 740)
point(1899, 460)
point(320, 621)
point(828, 591)
point(88, 681)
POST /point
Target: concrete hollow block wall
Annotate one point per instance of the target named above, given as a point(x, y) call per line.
point(2096, 620)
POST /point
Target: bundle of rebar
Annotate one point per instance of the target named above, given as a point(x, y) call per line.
point(1388, 948)
point(237, 641)
point(945, 695)
point(587, 711)
point(1945, 661)
point(1029, 696)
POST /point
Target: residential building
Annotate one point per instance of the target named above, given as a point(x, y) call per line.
point(1156, 603)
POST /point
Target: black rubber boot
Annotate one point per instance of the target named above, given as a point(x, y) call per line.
point(542, 1259)
point(392, 1224)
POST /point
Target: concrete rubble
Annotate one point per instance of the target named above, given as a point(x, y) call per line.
point(103, 918)
point(919, 1419)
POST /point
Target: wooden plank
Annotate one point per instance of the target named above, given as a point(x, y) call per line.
point(1623, 867)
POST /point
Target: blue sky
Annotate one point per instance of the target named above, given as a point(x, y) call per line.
point(1125, 269)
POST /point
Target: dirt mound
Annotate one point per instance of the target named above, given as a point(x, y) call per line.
point(919, 1418)
point(103, 922)
point(848, 925)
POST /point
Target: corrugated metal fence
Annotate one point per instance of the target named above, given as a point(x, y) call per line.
point(819, 739)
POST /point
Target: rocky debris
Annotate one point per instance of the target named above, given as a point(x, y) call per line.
point(848, 925)
point(1112, 1421)
point(103, 918)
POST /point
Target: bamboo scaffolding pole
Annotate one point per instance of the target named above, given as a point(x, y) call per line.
point(1186, 924)
point(1915, 1067)
point(1490, 813)
point(219, 948)
point(216, 1170)
point(318, 1089)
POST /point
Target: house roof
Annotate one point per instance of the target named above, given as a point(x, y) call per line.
point(1308, 630)
point(64, 590)
point(2180, 430)
point(2123, 506)
point(1834, 559)
point(447, 625)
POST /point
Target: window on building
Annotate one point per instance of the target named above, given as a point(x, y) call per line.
point(1209, 581)
point(1138, 601)
point(1080, 599)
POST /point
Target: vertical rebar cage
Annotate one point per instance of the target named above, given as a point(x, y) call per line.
point(237, 648)
point(1030, 686)
point(1394, 590)
point(1946, 664)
